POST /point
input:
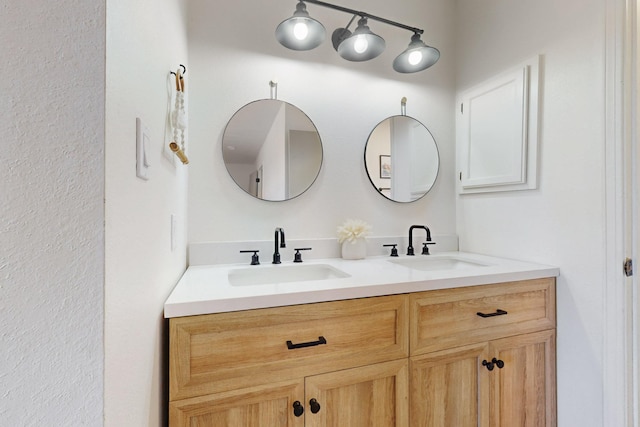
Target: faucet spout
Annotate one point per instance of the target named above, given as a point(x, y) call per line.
point(279, 242)
point(410, 250)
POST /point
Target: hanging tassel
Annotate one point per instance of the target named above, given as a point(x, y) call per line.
point(176, 149)
point(179, 119)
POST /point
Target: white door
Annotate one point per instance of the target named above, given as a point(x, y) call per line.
point(621, 344)
point(633, 210)
point(631, 226)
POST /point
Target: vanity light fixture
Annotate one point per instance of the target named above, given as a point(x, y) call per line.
point(417, 57)
point(362, 45)
point(301, 32)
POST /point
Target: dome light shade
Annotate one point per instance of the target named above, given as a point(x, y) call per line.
point(362, 45)
point(300, 32)
point(417, 57)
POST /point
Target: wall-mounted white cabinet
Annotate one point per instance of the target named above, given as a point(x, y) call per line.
point(497, 128)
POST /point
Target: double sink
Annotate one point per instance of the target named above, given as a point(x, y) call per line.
point(269, 274)
point(205, 289)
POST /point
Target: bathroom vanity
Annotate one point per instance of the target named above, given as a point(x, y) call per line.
point(452, 340)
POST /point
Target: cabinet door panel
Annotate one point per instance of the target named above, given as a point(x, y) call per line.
point(264, 406)
point(452, 317)
point(450, 388)
point(523, 392)
point(226, 351)
point(371, 396)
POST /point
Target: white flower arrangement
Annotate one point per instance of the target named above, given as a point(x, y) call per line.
point(353, 229)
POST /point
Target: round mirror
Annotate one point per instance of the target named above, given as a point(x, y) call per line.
point(401, 158)
point(272, 150)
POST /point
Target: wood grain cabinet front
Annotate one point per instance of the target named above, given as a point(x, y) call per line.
point(484, 356)
point(261, 405)
point(292, 366)
point(453, 317)
point(476, 356)
point(448, 388)
point(370, 396)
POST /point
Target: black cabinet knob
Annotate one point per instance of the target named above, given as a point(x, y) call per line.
point(314, 405)
point(494, 362)
point(499, 363)
point(488, 365)
point(298, 409)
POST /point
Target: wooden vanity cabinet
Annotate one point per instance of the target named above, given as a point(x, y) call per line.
point(262, 405)
point(369, 396)
point(307, 365)
point(406, 360)
point(484, 356)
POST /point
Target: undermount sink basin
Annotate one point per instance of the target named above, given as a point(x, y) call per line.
point(427, 263)
point(282, 274)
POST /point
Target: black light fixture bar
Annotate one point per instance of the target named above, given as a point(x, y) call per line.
point(364, 15)
point(301, 32)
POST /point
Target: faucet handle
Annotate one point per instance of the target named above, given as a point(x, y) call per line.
point(425, 248)
point(298, 256)
point(394, 251)
point(255, 260)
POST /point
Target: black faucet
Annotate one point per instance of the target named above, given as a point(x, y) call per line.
point(281, 243)
point(410, 247)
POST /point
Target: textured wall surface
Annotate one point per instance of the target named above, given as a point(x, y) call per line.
point(51, 212)
point(146, 39)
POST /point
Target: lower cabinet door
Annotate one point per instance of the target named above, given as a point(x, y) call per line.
point(370, 396)
point(263, 406)
point(523, 392)
point(450, 388)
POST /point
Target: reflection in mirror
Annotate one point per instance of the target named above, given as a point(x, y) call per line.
point(402, 159)
point(272, 150)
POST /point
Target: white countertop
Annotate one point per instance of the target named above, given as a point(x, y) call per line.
point(206, 289)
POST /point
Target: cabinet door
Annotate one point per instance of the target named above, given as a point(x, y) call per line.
point(523, 391)
point(370, 396)
point(451, 318)
point(221, 352)
point(264, 406)
point(450, 388)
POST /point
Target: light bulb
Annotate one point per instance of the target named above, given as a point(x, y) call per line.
point(415, 57)
point(300, 31)
point(360, 44)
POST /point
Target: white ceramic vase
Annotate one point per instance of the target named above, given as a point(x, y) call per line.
point(354, 250)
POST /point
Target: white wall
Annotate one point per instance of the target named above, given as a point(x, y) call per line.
point(563, 222)
point(234, 55)
point(145, 41)
point(51, 210)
